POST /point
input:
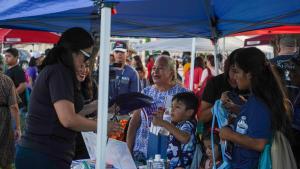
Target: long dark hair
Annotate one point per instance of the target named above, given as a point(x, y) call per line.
point(32, 62)
point(265, 84)
point(199, 62)
point(211, 59)
point(229, 62)
point(71, 41)
point(138, 61)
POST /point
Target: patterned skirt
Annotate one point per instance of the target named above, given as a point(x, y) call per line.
point(7, 144)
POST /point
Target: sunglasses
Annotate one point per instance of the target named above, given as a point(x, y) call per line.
point(86, 54)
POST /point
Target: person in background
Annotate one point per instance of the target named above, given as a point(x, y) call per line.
point(127, 79)
point(56, 109)
point(186, 65)
point(89, 86)
point(165, 86)
point(8, 109)
point(182, 139)
point(215, 87)
point(179, 78)
point(16, 73)
point(167, 53)
point(207, 160)
point(39, 57)
point(88, 89)
point(198, 68)
point(137, 62)
point(129, 61)
point(288, 49)
point(150, 64)
point(32, 70)
point(129, 56)
point(142, 76)
point(210, 64)
point(264, 113)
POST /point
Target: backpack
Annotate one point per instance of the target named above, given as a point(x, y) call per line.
point(278, 154)
point(281, 152)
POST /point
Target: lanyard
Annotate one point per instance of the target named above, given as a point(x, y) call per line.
point(118, 85)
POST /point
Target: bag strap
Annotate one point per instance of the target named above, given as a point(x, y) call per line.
point(212, 140)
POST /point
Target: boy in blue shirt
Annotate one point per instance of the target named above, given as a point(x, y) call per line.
point(182, 140)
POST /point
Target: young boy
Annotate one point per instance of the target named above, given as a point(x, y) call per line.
point(182, 129)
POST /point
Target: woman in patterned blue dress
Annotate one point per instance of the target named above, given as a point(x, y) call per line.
point(164, 87)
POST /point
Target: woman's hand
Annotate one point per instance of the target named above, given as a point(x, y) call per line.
point(158, 117)
point(228, 103)
point(226, 133)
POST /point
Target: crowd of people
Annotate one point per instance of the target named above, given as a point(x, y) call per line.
point(262, 93)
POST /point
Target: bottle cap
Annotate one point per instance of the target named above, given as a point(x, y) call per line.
point(157, 157)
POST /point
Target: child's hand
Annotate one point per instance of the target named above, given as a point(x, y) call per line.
point(158, 117)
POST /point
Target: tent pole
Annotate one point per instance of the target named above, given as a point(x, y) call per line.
point(215, 57)
point(2, 48)
point(192, 64)
point(224, 45)
point(105, 29)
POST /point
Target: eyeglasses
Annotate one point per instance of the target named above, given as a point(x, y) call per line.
point(86, 54)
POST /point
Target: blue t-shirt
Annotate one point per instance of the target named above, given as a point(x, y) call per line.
point(32, 72)
point(187, 150)
point(126, 81)
point(258, 118)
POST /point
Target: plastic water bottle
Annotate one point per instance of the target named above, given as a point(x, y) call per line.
point(150, 163)
point(158, 163)
point(242, 125)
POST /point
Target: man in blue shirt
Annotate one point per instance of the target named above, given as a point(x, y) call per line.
point(126, 79)
point(285, 62)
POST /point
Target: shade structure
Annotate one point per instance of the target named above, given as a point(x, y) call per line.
point(211, 19)
point(272, 31)
point(15, 36)
point(185, 44)
point(154, 18)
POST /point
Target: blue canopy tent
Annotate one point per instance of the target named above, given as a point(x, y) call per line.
point(147, 18)
point(153, 18)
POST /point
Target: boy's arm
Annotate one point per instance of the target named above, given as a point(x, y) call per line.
point(181, 136)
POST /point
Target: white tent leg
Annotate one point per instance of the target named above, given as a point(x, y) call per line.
point(192, 64)
point(215, 58)
point(224, 45)
point(2, 48)
point(103, 89)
